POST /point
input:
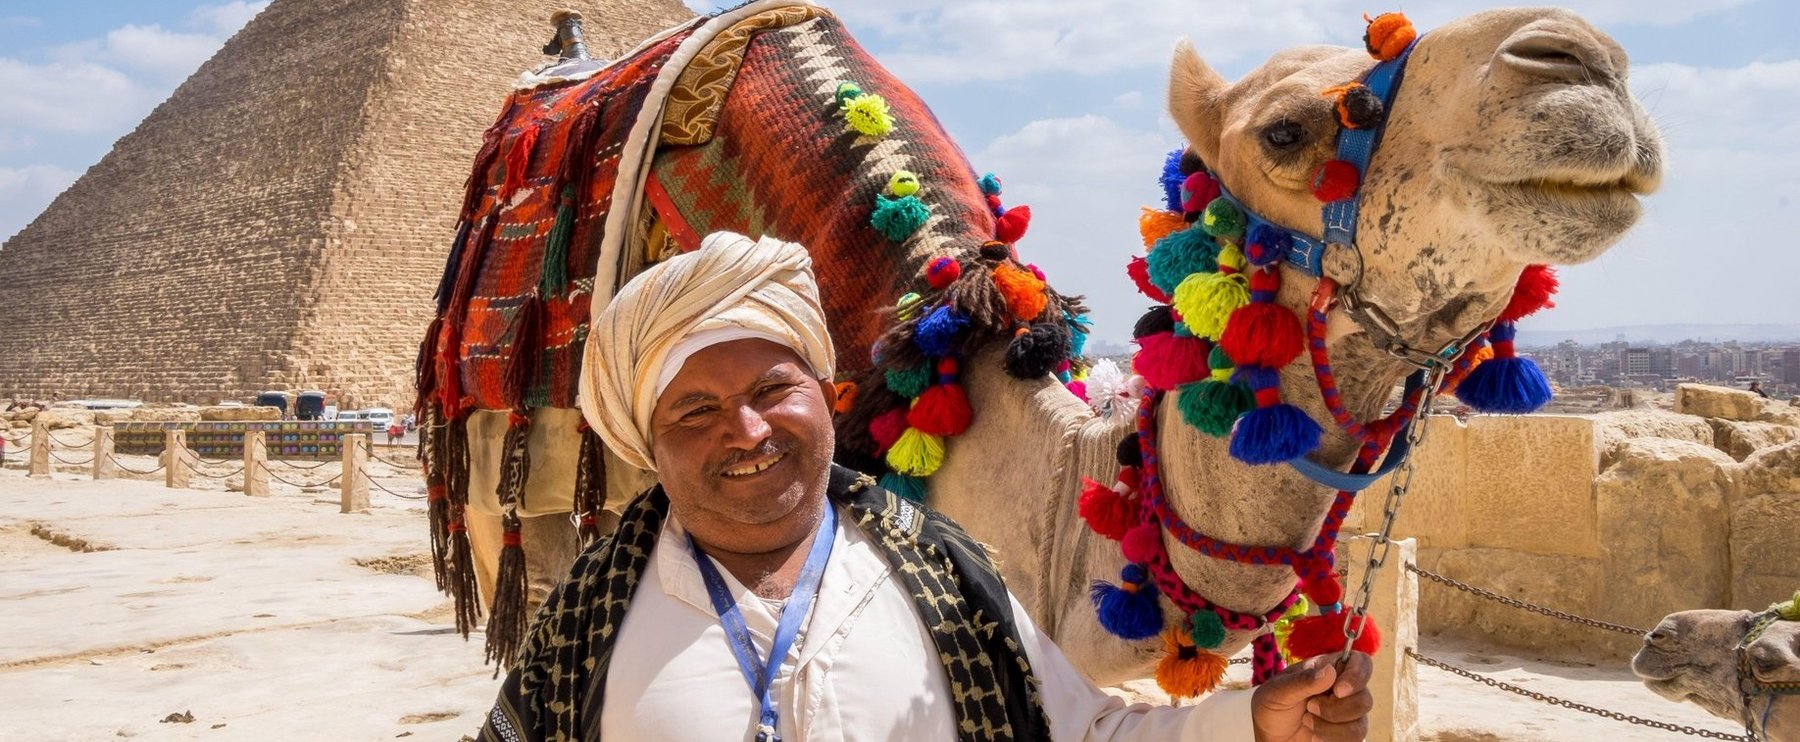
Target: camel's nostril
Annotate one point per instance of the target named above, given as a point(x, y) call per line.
point(1555, 57)
point(1659, 637)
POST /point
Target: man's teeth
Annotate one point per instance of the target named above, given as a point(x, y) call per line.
point(754, 468)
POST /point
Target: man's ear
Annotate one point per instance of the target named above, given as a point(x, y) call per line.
point(830, 392)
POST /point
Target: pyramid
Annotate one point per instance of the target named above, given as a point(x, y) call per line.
point(280, 222)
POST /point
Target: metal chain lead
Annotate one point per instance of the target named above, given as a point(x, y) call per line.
point(1381, 542)
point(1516, 603)
point(1582, 707)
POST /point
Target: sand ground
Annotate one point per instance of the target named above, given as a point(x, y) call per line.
point(135, 611)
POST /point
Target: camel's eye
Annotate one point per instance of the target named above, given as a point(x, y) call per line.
point(1284, 135)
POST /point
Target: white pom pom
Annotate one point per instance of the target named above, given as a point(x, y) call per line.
point(1109, 391)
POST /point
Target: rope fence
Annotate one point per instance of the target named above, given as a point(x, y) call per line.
point(379, 486)
point(291, 464)
point(394, 464)
point(122, 467)
point(209, 475)
point(84, 462)
point(55, 439)
point(301, 485)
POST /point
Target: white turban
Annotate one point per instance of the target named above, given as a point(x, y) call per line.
point(732, 288)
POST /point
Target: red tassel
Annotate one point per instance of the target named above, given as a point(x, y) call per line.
point(518, 160)
point(1108, 513)
point(1536, 285)
point(1011, 226)
point(1316, 635)
point(1335, 180)
point(1167, 361)
point(887, 428)
point(1262, 334)
point(942, 410)
point(1327, 591)
point(1141, 543)
point(1139, 270)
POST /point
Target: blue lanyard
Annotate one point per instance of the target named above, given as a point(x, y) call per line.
point(758, 673)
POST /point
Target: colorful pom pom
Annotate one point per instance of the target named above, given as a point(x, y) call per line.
point(903, 183)
point(904, 487)
point(1129, 452)
point(1139, 270)
point(1335, 180)
point(1505, 383)
point(846, 397)
point(897, 218)
point(1036, 352)
point(1313, 636)
point(1155, 224)
point(1231, 259)
point(1142, 542)
point(1223, 219)
point(942, 410)
point(1105, 511)
point(908, 382)
point(1206, 629)
point(1274, 434)
point(989, 184)
point(943, 271)
point(847, 91)
point(1198, 191)
point(1537, 284)
point(1213, 406)
point(1357, 106)
point(1207, 300)
point(1166, 360)
point(1171, 180)
point(868, 115)
point(995, 250)
point(1010, 227)
point(1263, 334)
point(1325, 590)
point(908, 306)
point(1186, 671)
point(1388, 36)
point(1023, 291)
point(936, 332)
point(1128, 610)
point(1160, 318)
point(1180, 254)
point(1267, 245)
point(886, 428)
point(916, 454)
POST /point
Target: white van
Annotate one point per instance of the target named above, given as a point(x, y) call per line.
point(379, 418)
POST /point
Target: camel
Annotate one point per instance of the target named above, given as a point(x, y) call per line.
point(1692, 656)
point(1513, 141)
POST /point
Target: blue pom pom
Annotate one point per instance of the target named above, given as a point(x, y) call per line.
point(1274, 434)
point(1172, 180)
point(904, 487)
point(1180, 254)
point(1506, 385)
point(1267, 245)
point(990, 184)
point(936, 332)
point(1078, 335)
point(1127, 614)
point(1255, 377)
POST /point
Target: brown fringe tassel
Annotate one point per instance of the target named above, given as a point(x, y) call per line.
point(455, 454)
point(437, 497)
point(515, 460)
point(590, 485)
point(527, 343)
point(425, 369)
point(506, 624)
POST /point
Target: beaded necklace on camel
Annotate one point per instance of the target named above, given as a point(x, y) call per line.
point(1218, 340)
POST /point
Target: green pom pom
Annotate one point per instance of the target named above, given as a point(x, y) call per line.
point(848, 91)
point(868, 115)
point(897, 218)
point(1179, 255)
point(1790, 610)
point(1223, 219)
point(1207, 631)
point(909, 382)
point(1212, 406)
point(903, 183)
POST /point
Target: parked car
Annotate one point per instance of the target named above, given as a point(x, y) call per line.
point(309, 405)
point(379, 417)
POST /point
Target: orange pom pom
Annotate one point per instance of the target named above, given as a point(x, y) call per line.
point(1388, 36)
point(846, 397)
point(1155, 224)
point(1023, 291)
point(1186, 670)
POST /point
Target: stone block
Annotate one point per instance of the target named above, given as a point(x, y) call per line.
point(1433, 510)
point(1774, 469)
point(1529, 484)
point(1739, 439)
point(1664, 526)
point(218, 413)
point(1763, 539)
point(1612, 429)
point(1568, 584)
point(1716, 401)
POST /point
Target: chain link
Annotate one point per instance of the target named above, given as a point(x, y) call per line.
point(1381, 542)
point(1516, 603)
point(1582, 707)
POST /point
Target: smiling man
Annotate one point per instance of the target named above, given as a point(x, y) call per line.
point(758, 592)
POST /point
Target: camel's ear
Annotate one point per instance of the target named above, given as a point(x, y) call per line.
point(1196, 98)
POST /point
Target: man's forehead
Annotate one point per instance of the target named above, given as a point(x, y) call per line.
point(727, 367)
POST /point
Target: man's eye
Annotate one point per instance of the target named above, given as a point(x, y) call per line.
point(695, 414)
point(768, 389)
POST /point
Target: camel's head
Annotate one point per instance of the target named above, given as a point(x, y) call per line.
point(1691, 656)
point(1513, 140)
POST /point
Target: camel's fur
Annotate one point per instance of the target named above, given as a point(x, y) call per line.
point(1570, 155)
point(1691, 656)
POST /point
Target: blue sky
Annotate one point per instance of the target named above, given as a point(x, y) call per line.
point(1066, 106)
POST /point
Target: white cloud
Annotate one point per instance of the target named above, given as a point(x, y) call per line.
point(225, 19)
point(78, 97)
point(166, 55)
point(25, 191)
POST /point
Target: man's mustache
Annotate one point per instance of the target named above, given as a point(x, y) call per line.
point(769, 448)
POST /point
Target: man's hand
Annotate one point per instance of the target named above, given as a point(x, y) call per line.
point(1311, 702)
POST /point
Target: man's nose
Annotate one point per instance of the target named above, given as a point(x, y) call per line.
point(746, 427)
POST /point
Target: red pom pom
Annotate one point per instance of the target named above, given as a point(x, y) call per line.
point(1166, 361)
point(1316, 635)
point(946, 366)
point(1260, 334)
point(993, 202)
point(1139, 270)
point(1130, 477)
point(942, 410)
point(1536, 285)
point(1327, 591)
point(1335, 180)
point(887, 428)
point(1012, 225)
point(1141, 543)
point(942, 272)
point(1197, 191)
point(1107, 512)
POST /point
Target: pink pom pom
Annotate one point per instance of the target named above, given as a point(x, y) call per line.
point(1166, 361)
point(887, 428)
point(1197, 191)
point(1141, 543)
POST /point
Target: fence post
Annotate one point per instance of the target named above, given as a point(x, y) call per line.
point(353, 486)
point(104, 468)
point(1394, 605)
point(179, 471)
point(256, 475)
point(40, 449)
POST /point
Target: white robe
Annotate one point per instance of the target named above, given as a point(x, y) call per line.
point(866, 667)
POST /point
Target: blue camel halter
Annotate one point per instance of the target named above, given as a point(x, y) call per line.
point(1307, 254)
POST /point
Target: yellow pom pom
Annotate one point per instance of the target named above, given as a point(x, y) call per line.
point(916, 454)
point(903, 183)
point(908, 306)
point(1285, 625)
point(1206, 301)
point(867, 114)
point(1230, 256)
point(1790, 610)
